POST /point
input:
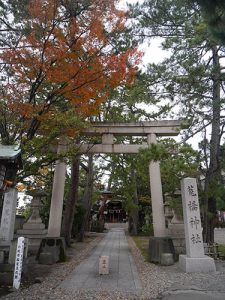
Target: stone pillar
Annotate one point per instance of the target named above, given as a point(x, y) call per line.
point(8, 217)
point(159, 226)
point(55, 217)
point(195, 260)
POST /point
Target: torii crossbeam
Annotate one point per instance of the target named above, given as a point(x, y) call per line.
point(109, 130)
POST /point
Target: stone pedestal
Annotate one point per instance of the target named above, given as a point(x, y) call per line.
point(51, 250)
point(167, 259)
point(195, 260)
point(203, 264)
point(34, 229)
point(159, 245)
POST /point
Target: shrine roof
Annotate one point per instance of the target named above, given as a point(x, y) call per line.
point(9, 152)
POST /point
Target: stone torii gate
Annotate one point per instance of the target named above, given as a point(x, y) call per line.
point(149, 129)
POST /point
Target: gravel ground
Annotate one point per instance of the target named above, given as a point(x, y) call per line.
point(156, 280)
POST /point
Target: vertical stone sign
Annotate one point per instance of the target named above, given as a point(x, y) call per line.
point(192, 220)
point(18, 263)
point(194, 260)
point(8, 217)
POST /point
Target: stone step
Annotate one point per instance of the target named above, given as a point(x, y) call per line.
point(38, 226)
point(32, 232)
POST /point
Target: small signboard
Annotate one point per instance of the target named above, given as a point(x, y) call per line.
point(103, 265)
point(18, 263)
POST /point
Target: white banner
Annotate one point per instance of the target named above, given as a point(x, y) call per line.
point(18, 263)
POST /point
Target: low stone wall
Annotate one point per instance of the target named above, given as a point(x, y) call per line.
point(219, 235)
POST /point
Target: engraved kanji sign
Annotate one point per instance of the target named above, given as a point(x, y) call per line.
point(18, 263)
point(192, 220)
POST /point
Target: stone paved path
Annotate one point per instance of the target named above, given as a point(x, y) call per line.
point(123, 275)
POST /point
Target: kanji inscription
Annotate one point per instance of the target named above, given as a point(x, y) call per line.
point(192, 220)
point(18, 263)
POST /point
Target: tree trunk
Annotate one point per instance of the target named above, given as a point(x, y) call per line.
point(86, 201)
point(213, 173)
point(71, 202)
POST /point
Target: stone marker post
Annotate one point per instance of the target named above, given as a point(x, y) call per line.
point(18, 263)
point(103, 265)
point(8, 217)
point(194, 260)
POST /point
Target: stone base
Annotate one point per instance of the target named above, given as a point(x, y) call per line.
point(46, 258)
point(54, 247)
point(204, 264)
point(167, 259)
point(34, 235)
point(159, 245)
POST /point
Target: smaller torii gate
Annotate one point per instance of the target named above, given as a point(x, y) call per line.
point(150, 129)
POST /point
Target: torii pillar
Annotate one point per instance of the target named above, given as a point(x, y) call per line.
point(52, 248)
point(55, 217)
point(160, 243)
point(159, 224)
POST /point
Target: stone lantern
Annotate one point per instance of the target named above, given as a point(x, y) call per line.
point(176, 227)
point(167, 209)
point(34, 229)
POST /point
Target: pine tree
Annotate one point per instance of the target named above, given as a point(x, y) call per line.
point(191, 79)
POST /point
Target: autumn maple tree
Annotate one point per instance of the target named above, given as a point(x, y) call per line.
point(61, 62)
point(62, 68)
